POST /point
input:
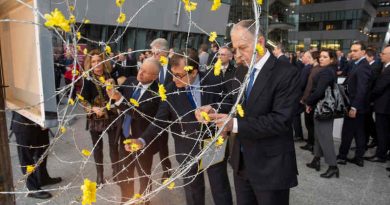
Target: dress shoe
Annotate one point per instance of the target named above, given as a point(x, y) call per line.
point(99, 180)
point(315, 164)
point(51, 181)
point(341, 161)
point(307, 147)
point(40, 195)
point(376, 159)
point(371, 145)
point(332, 171)
point(388, 169)
point(357, 161)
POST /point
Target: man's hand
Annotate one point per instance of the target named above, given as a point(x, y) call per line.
point(220, 119)
point(308, 109)
point(133, 145)
point(98, 111)
point(207, 109)
point(352, 113)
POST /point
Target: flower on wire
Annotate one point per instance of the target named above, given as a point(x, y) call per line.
point(205, 116)
point(217, 67)
point(240, 110)
point(89, 192)
point(58, 20)
point(216, 5)
point(171, 185)
point(213, 36)
point(30, 169)
point(119, 3)
point(133, 146)
point(220, 141)
point(134, 102)
point(163, 60)
point(86, 153)
point(121, 18)
point(189, 5)
point(259, 50)
point(161, 92)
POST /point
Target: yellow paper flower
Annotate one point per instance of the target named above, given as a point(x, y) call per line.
point(137, 196)
point(188, 68)
point(102, 80)
point(109, 86)
point(163, 60)
point(78, 35)
point(89, 192)
point(57, 19)
point(107, 49)
point(71, 8)
point(30, 169)
point(86, 152)
point(216, 5)
point(161, 92)
point(72, 19)
point(189, 6)
point(62, 129)
point(205, 116)
point(80, 97)
point(260, 2)
point(75, 72)
point(217, 67)
point(108, 106)
point(134, 102)
point(240, 111)
point(213, 36)
point(85, 51)
point(86, 21)
point(121, 18)
point(133, 146)
point(219, 141)
point(119, 3)
point(259, 50)
point(170, 186)
point(71, 101)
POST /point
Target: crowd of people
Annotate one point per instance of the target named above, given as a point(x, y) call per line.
point(278, 90)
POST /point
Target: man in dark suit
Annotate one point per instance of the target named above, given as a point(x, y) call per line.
point(228, 70)
point(341, 62)
point(381, 97)
point(33, 141)
point(279, 53)
point(190, 90)
point(123, 67)
point(263, 156)
point(143, 89)
point(358, 84)
point(160, 48)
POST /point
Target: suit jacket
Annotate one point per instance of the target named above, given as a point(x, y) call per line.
point(342, 63)
point(284, 58)
point(358, 84)
point(143, 115)
point(179, 113)
point(264, 141)
point(381, 92)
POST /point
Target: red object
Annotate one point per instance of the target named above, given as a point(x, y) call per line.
point(69, 69)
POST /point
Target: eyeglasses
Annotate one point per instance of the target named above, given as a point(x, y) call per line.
point(178, 75)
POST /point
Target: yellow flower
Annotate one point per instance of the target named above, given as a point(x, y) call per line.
point(109, 86)
point(78, 35)
point(188, 68)
point(170, 186)
point(133, 146)
point(75, 72)
point(80, 97)
point(62, 129)
point(161, 92)
point(127, 141)
point(119, 3)
point(121, 18)
point(217, 67)
point(72, 19)
point(134, 102)
point(71, 101)
point(240, 111)
point(86, 21)
point(57, 19)
point(213, 36)
point(71, 8)
point(260, 2)
point(107, 49)
point(137, 196)
point(85, 51)
point(89, 192)
point(189, 6)
point(259, 50)
point(205, 116)
point(85, 152)
point(163, 60)
point(108, 106)
point(219, 141)
point(102, 80)
point(30, 169)
point(216, 5)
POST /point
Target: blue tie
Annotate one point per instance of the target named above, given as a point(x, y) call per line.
point(250, 84)
point(127, 121)
point(161, 78)
point(190, 97)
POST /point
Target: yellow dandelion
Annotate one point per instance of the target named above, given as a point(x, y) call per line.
point(89, 192)
point(134, 102)
point(71, 101)
point(219, 141)
point(80, 97)
point(78, 35)
point(108, 106)
point(75, 72)
point(205, 116)
point(161, 92)
point(107, 49)
point(30, 169)
point(163, 60)
point(85, 51)
point(260, 2)
point(62, 129)
point(259, 50)
point(57, 19)
point(189, 6)
point(121, 18)
point(109, 87)
point(72, 19)
point(137, 196)
point(240, 111)
point(188, 68)
point(86, 153)
point(213, 36)
point(216, 5)
point(102, 79)
point(171, 185)
point(119, 3)
point(86, 21)
point(217, 67)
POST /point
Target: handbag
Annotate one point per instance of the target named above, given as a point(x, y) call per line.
point(333, 105)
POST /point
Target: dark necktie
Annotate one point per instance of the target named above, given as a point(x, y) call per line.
point(250, 84)
point(126, 125)
point(190, 97)
point(161, 78)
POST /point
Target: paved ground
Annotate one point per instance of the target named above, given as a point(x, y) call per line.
point(356, 186)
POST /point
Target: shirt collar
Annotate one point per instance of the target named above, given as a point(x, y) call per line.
point(144, 86)
point(372, 62)
point(358, 61)
point(387, 64)
point(196, 83)
point(262, 61)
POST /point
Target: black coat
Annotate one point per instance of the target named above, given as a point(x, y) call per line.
point(179, 112)
point(264, 133)
point(127, 71)
point(284, 58)
point(358, 84)
point(381, 92)
point(323, 79)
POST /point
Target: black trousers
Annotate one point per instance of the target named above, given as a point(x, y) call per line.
point(309, 122)
point(164, 152)
point(383, 129)
point(113, 141)
point(35, 137)
point(370, 127)
point(297, 126)
point(353, 128)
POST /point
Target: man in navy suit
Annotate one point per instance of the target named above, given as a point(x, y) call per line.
point(358, 84)
point(263, 156)
point(279, 53)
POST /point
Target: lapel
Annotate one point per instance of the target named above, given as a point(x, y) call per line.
point(261, 80)
point(203, 87)
point(148, 94)
point(168, 75)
